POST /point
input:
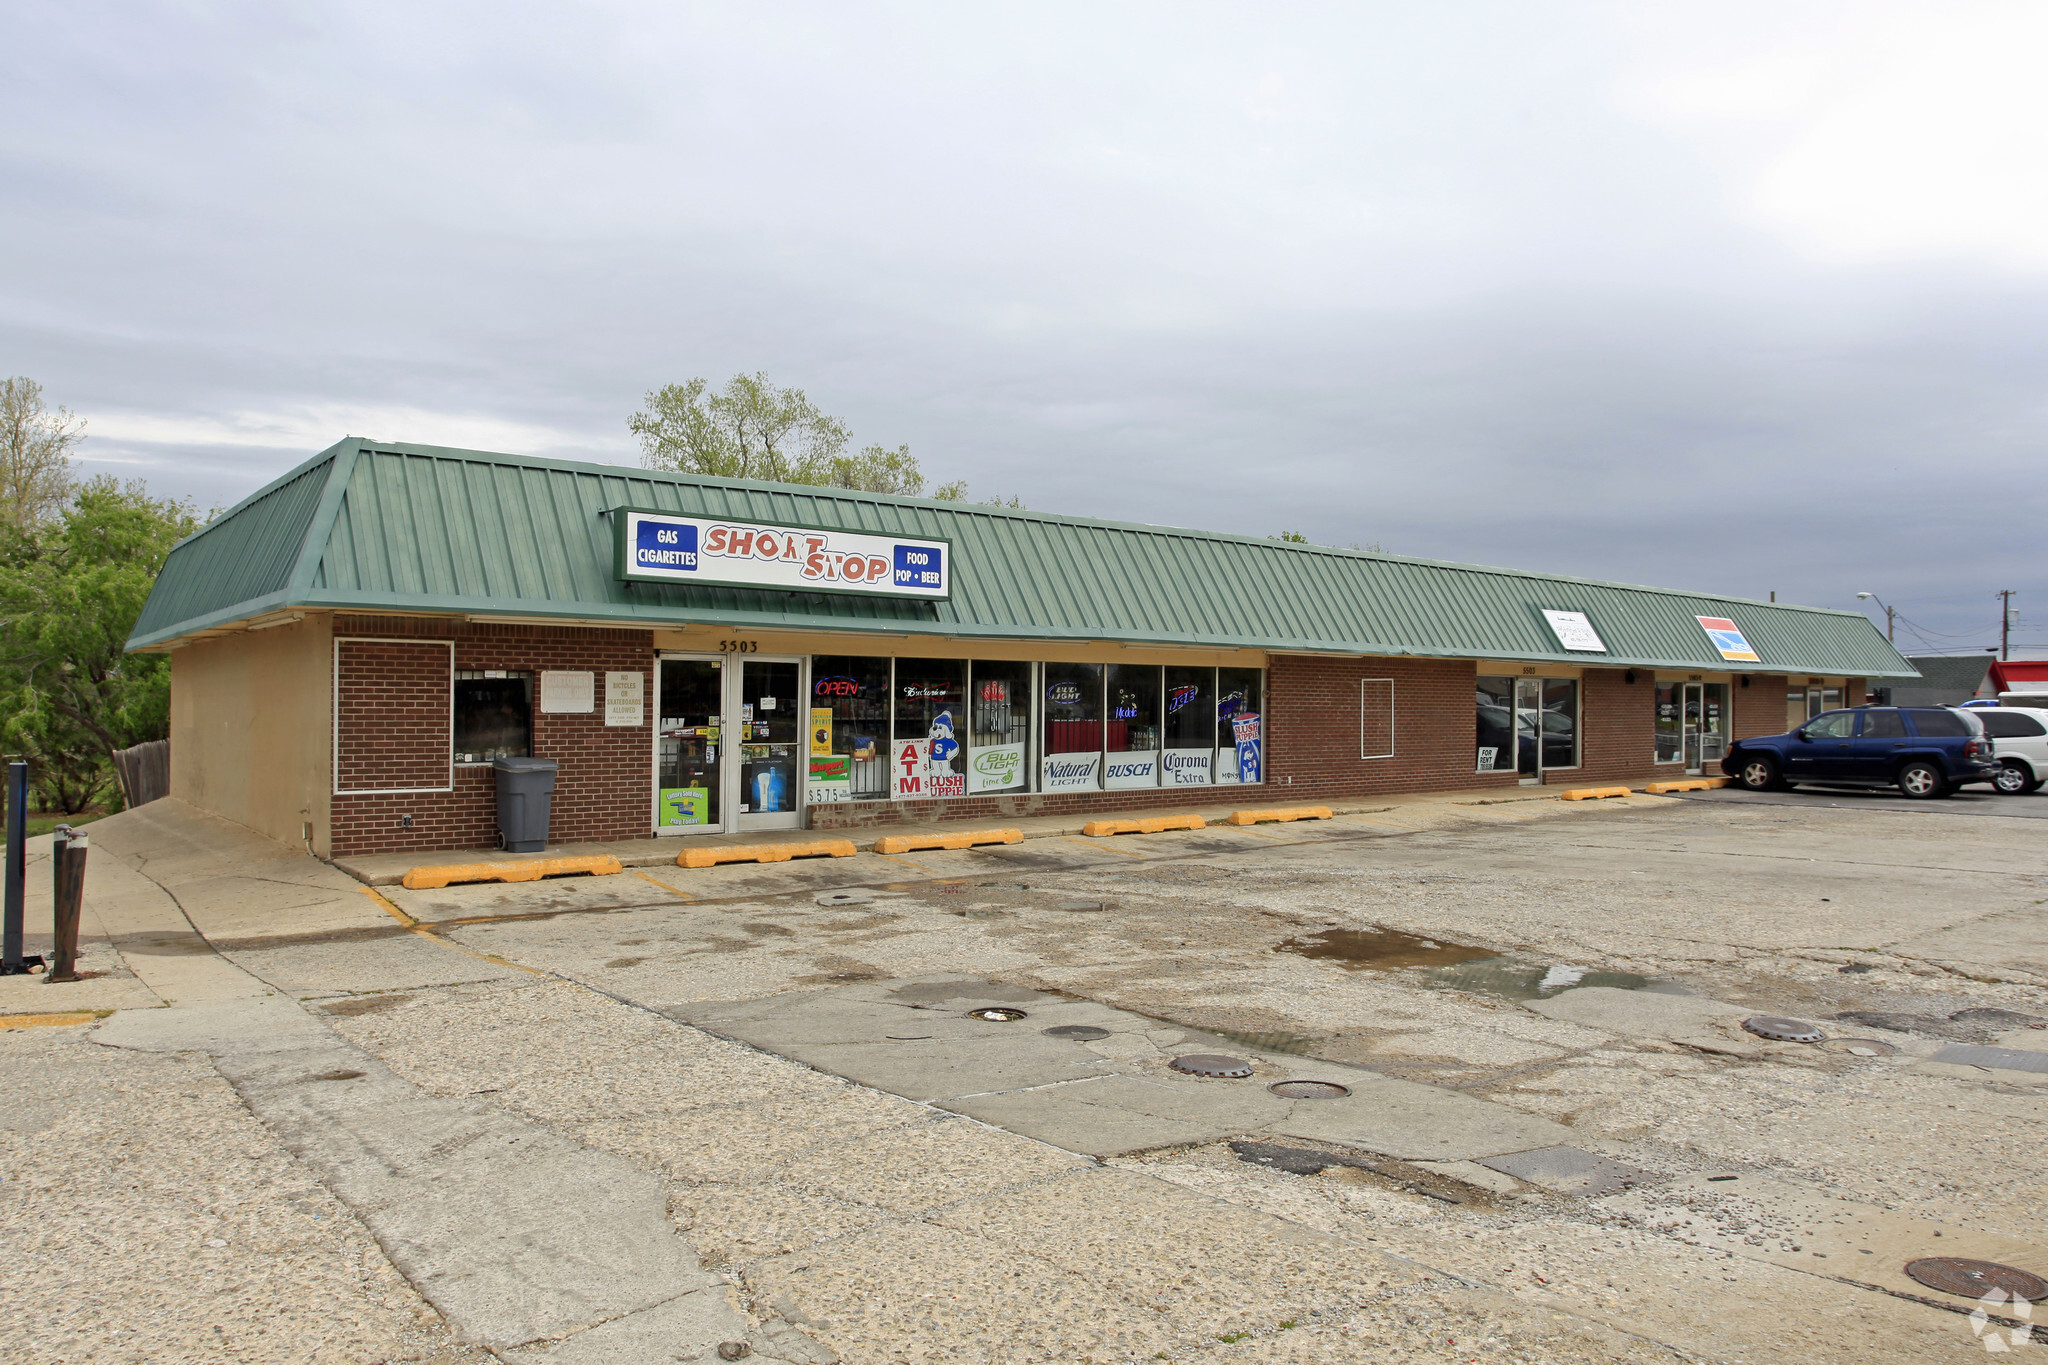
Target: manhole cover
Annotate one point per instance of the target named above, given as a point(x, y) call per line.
point(1082, 907)
point(997, 1014)
point(1212, 1064)
point(1309, 1090)
point(832, 898)
point(1860, 1047)
point(1080, 1033)
point(1784, 1030)
point(1959, 1275)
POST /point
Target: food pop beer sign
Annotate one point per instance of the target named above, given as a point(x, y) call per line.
point(661, 547)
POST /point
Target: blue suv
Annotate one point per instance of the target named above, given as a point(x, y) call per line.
point(1922, 750)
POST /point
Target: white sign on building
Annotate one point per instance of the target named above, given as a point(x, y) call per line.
point(624, 698)
point(1575, 632)
point(663, 547)
point(565, 693)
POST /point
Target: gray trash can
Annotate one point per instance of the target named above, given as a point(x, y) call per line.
point(526, 797)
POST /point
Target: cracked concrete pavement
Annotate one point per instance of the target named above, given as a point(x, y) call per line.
point(628, 1118)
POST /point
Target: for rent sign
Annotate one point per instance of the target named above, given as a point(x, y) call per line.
point(661, 547)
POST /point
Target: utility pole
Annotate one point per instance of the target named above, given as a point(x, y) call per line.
point(2005, 624)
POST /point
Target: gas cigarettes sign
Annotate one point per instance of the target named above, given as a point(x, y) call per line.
point(660, 547)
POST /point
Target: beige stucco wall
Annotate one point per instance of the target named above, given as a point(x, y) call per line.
point(252, 728)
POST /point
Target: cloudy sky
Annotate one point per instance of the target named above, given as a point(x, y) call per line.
point(1743, 298)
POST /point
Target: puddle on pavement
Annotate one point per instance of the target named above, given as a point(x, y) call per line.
point(1455, 965)
point(1381, 949)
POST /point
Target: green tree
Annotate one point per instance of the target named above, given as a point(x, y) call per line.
point(35, 454)
point(754, 429)
point(70, 592)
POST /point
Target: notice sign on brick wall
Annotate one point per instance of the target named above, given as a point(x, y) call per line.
point(623, 696)
point(568, 693)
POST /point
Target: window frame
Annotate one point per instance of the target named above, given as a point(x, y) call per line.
point(334, 750)
point(1392, 744)
point(532, 677)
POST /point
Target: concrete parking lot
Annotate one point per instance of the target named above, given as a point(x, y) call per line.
point(925, 1108)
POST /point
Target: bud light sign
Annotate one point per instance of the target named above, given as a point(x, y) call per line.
point(661, 547)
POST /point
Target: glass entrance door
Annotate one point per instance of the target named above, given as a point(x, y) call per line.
point(1692, 713)
point(1529, 727)
point(689, 787)
point(768, 707)
point(1703, 714)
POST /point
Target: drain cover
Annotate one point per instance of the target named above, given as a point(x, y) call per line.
point(1860, 1047)
point(997, 1014)
point(1212, 1064)
point(1784, 1030)
point(1958, 1275)
point(1082, 907)
point(1080, 1033)
point(1309, 1090)
point(832, 898)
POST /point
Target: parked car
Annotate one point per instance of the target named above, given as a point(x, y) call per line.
point(1924, 751)
point(2021, 734)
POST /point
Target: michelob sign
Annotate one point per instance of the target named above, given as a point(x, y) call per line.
point(662, 547)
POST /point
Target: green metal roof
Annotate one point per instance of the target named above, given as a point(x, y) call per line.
point(376, 527)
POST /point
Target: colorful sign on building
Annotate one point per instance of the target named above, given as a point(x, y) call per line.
point(1728, 639)
point(661, 547)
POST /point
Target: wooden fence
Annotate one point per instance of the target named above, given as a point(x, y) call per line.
point(145, 771)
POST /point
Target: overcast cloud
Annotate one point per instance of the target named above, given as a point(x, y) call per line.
point(1736, 298)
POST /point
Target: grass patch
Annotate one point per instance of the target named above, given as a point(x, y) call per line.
point(40, 823)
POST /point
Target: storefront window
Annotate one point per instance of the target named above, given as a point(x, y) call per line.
point(1804, 703)
point(849, 717)
point(1190, 727)
point(1669, 731)
point(1240, 725)
point(493, 715)
point(1131, 734)
point(1496, 700)
point(1560, 723)
point(1000, 733)
point(931, 711)
point(1072, 758)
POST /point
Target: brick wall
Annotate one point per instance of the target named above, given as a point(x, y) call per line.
point(1618, 726)
point(1313, 727)
point(604, 789)
point(391, 714)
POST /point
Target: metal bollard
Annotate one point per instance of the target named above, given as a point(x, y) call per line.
point(67, 865)
point(12, 963)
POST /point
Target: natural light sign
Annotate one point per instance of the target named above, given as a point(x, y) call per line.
point(661, 547)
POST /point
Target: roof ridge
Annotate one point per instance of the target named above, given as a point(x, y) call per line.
point(1056, 518)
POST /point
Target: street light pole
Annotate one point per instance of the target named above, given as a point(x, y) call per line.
point(1888, 613)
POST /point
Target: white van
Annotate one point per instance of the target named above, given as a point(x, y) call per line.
point(2020, 739)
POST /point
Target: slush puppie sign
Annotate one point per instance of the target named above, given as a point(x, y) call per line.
point(662, 547)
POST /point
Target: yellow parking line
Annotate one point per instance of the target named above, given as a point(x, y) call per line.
point(663, 885)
